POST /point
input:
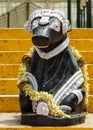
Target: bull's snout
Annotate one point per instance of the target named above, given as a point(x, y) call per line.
point(40, 41)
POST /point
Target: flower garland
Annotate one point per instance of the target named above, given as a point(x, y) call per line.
point(83, 68)
point(24, 85)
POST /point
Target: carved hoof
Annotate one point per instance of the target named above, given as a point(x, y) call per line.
point(42, 109)
point(39, 120)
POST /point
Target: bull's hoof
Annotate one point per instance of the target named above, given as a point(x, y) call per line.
point(39, 120)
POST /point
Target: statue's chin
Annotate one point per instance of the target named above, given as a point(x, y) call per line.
point(41, 47)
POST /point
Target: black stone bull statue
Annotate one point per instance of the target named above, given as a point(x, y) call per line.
point(53, 67)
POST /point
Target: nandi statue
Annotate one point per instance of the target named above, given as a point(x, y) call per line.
point(52, 77)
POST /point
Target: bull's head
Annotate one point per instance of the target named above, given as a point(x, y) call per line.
point(48, 27)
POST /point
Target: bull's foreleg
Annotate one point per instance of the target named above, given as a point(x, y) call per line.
point(71, 94)
point(74, 101)
point(25, 103)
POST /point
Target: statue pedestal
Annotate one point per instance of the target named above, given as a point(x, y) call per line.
point(39, 120)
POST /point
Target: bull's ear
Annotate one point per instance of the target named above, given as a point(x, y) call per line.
point(27, 26)
point(69, 28)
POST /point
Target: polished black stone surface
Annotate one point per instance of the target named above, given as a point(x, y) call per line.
point(51, 74)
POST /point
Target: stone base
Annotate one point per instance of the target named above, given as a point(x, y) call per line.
point(39, 120)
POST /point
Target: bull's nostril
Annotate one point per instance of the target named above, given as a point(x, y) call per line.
point(40, 41)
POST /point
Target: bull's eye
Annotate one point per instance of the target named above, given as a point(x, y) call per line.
point(34, 24)
point(55, 25)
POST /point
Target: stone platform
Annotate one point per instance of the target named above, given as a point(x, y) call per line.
point(11, 121)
